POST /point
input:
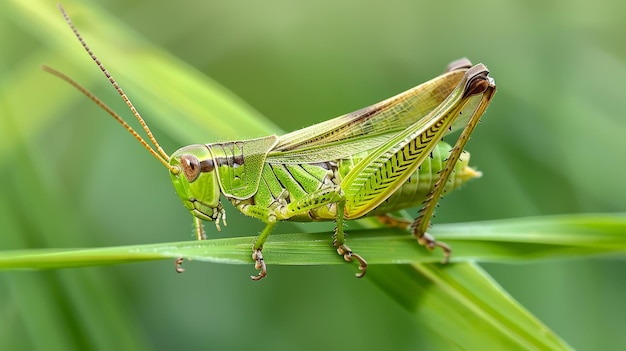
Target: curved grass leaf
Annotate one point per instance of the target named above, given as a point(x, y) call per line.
point(488, 241)
point(448, 296)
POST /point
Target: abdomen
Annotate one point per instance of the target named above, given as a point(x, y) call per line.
point(281, 186)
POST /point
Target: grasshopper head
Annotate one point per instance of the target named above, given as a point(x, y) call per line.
point(196, 182)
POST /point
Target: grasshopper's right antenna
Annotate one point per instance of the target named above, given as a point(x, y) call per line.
point(159, 153)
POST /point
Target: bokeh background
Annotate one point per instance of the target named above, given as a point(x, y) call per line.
point(552, 142)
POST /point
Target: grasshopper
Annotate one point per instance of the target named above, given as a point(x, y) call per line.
point(380, 159)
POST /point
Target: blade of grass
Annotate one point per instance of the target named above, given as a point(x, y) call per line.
point(461, 296)
point(554, 237)
point(448, 296)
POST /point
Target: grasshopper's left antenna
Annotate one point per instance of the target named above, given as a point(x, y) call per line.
point(159, 153)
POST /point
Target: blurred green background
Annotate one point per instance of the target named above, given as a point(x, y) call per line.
point(551, 142)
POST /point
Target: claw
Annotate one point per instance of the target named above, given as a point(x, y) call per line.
point(430, 243)
point(178, 264)
point(348, 255)
point(259, 264)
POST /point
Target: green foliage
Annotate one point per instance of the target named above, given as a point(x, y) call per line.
point(488, 241)
point(72, 178)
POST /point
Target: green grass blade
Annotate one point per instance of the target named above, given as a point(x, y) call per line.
point(451, 298)
point(448, 296)
point(502, 241)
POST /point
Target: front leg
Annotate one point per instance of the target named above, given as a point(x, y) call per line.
point(269, 217)
point(200, 235)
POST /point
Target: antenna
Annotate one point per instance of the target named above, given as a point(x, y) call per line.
point(159, 153)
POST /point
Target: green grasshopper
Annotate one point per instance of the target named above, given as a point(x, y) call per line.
point(374, 161)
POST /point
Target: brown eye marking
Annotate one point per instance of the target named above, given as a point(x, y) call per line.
point(191, 167)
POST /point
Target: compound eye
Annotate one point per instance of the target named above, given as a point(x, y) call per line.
point(191, 167)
